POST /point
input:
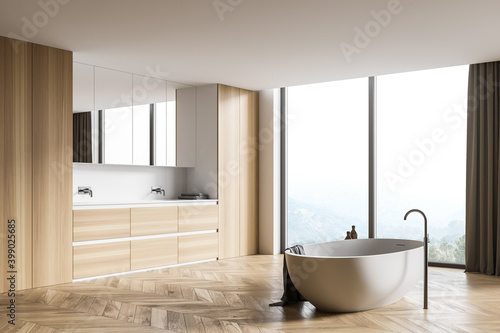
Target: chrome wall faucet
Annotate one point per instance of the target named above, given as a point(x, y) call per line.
point(85, 190)
point(157, 190)
point(426, 253)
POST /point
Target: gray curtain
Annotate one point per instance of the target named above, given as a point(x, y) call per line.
point(483, 170)
point(82, 137)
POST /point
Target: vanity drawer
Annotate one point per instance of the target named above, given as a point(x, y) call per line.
point(198, 247)
point(198, 218)
point(153, 221)
point(101, 259)
point(95, 224)
point(156, 252)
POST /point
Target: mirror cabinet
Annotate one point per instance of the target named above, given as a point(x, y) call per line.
point(128, 119)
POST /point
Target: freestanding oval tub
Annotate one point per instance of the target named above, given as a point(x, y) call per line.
point(356, 275)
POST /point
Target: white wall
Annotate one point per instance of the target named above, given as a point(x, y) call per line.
point(269, 171)
point(186, 127)
point(203, 177)
point(126, 183)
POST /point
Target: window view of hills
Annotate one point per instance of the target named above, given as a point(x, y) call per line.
point(421, 147)
point(316, 220)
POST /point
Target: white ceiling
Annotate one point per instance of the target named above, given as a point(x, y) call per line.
point(259, 44)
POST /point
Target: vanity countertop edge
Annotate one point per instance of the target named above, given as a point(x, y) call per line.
point(144, 203)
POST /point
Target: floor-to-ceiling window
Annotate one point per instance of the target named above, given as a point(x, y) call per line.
point(421, 155)
point(421, 140)
point(327, 160)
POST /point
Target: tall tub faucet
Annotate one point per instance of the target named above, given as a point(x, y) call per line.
point(426, 253)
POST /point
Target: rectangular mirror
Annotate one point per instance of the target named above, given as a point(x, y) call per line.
point(113, 97)
point(116, 135)
point(149, 94)
point(141, 143)
point(123, 118)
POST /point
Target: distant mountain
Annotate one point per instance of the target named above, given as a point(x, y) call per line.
point(308, 223)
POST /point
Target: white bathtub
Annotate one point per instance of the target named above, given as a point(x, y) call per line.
point(356, 275)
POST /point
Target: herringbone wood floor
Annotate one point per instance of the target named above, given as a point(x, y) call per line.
point(232, 295)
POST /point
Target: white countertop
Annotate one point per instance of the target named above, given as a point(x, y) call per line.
point(140, 203)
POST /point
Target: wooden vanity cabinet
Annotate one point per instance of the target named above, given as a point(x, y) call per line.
point(198, 246)
point(154, 252)
point(123, 239)
point(101, 258)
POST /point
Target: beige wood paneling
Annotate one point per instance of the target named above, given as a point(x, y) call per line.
point(95, 224)
point(249, 161)
point(100, 259)
point(156, 252)
point(52, 165)
point(198, 247)
point(4, 215)
point(16, 158)
point(196, 218)
point(228, 176)
point(153, 220)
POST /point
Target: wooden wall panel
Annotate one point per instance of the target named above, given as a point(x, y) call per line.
point(228, 177)
point(52, 165)
point(16, 157)
point(94, 224)
point(153, 220)
point(196, 218)
point(249, 162)
point(100, 259)
point(4, 214)
point(198, 247)
point(156, 252)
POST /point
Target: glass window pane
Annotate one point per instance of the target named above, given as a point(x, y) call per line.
point(421, 158)
point(327, 161)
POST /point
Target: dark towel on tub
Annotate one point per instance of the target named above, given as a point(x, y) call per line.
point(290, 294)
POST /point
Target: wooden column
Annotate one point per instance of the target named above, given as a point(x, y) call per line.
point(238, 171)
point(15, 161)
point(228, 177)
point(249, 163)
point(52, 165)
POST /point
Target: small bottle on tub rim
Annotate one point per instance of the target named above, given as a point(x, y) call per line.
point(348, 235)
point(354, 234)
